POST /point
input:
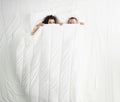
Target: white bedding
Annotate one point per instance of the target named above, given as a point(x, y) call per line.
point(64, 64)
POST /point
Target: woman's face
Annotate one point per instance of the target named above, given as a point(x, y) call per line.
point(51, 21)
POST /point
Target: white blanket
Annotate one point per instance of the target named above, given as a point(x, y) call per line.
point(64, 64)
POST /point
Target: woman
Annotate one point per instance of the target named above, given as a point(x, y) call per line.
point(50, 19)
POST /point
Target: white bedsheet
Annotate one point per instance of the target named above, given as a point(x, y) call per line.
point(64, 64)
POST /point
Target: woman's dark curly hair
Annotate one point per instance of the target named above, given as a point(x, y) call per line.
point(46, 19)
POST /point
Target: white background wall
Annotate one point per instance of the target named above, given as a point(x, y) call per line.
point(18, 16)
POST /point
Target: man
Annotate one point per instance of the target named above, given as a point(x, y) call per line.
point(73, 20)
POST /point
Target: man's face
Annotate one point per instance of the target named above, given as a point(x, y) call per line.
point(72, 21)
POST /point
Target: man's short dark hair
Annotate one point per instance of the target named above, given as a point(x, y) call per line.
point(72, 18)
